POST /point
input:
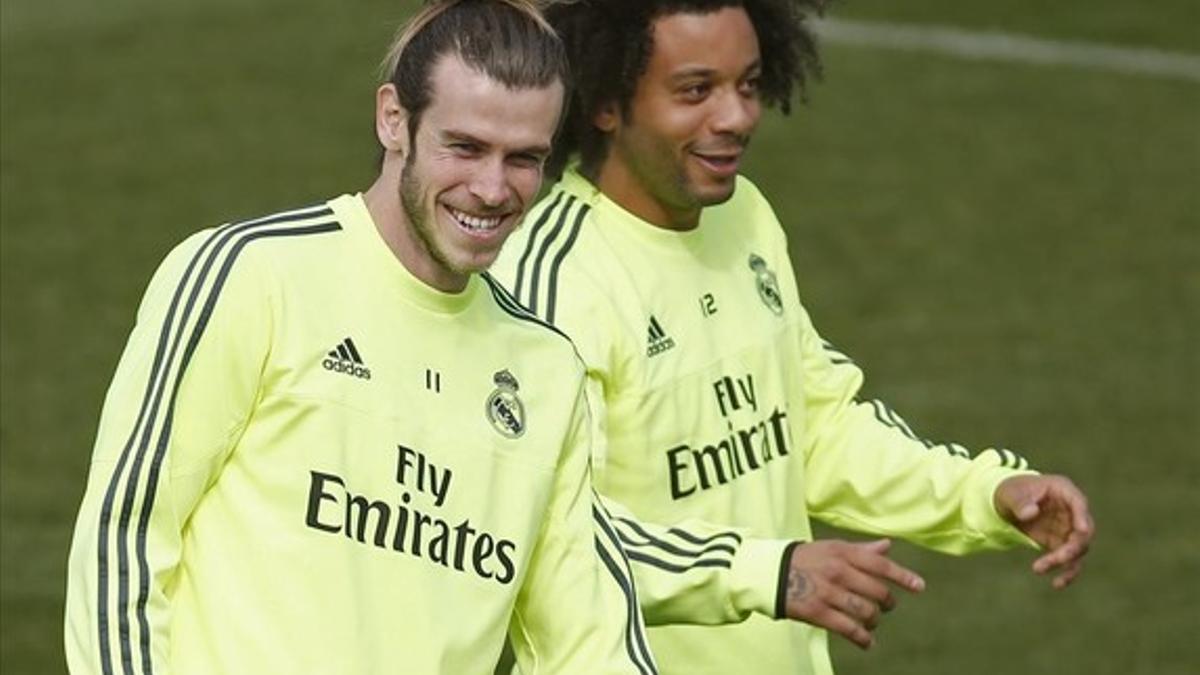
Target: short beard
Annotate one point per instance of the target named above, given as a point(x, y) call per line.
point(418, 220)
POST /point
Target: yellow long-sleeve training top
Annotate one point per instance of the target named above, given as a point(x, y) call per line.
point(310, 462)
point(720, 401)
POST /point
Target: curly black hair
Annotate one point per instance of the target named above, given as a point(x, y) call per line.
point(609, 43)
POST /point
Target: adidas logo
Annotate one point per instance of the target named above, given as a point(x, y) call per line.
point(345, 359)
point(657, 340)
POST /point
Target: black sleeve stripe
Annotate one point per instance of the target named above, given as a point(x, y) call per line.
point(701, 541)
point(519, 284)
point(630, 614)
point(552, 285)
point(635, 640)
point(606, 525)
point(897, 422)
point(1012, 460)
point(144, 427)
point(877, 407)
point(836, 357)
point(1018, 462)
point(890, 418)
point(1022, 463)
point(514, 309)
point(785, 567)
point(536, 273)
point(649, 539)
point(672, 567)
point(958, 450)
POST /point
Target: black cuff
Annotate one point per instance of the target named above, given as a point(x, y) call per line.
point(781, 587)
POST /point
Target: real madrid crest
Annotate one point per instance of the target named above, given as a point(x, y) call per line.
point(768, 287)
point(504, 408)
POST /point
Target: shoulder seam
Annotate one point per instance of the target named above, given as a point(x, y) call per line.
point(506, 302)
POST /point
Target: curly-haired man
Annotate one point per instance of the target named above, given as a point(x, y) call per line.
point(670, 272)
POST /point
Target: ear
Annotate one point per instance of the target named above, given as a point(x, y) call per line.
point(607, 118)
point(391, 120)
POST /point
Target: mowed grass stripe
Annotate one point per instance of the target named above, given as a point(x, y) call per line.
point(1000, 46)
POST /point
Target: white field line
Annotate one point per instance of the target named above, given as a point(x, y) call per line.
point(996, 46)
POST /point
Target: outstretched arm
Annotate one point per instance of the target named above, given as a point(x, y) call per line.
point(869, 471)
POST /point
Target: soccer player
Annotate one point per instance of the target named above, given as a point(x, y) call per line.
point(720, 399)
point(331, 447)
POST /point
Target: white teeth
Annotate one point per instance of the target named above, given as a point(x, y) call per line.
point(475, 222)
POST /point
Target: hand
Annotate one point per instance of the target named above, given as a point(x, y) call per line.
point(1054, 513)
point(840, 586)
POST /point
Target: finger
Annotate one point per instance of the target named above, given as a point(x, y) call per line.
point(888, 569)
point(1022, 496)
point(1066, 493)
point(1068, 575)
point(1089, 524)
point(869, 587)
point(879, 546)
point(1081, 516)
point(1027, 511)
point(835, 621)
point(858, 608)
point(1074, 548)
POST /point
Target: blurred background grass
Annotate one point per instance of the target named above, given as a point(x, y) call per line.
point(1011, 252)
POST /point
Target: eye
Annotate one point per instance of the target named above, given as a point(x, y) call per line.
point(464, 148)
point(750, 85)
point(527, 160)
point(695, 92)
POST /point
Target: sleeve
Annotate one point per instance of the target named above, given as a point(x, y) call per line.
point(181, 395)
point(577, 611)
point(695, 573)
point(691, 572)
point(866, 470)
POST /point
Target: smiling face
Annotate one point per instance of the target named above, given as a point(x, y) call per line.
point(467, 176)
point(679, 147)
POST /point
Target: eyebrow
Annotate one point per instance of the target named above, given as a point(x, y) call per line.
point(450, 135)
point(689, 72)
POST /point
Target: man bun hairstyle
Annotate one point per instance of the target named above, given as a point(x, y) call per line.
point(609, 43)
point(507, 40)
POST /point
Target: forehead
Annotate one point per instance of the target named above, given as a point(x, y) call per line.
point(719, 40)
point(467, 101)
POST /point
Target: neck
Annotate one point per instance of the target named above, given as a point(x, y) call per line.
point(620, 183)
point(383, 203)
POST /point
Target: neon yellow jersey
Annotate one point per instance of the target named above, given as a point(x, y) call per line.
point(723, 403)
point(310, 462)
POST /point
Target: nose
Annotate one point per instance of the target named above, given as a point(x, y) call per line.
point(490, 184)
point(736, 113)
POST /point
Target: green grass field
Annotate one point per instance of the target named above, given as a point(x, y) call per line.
point(1012, 252)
